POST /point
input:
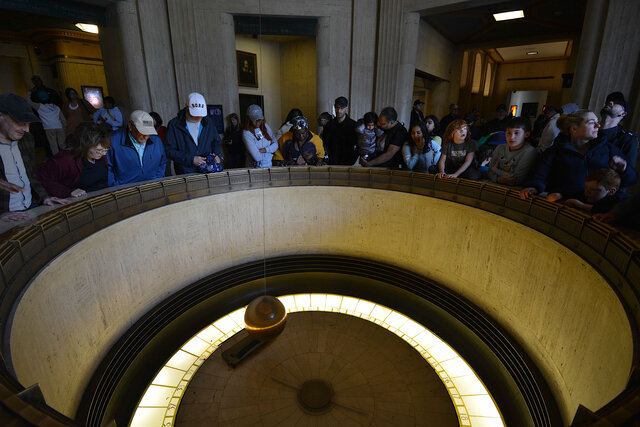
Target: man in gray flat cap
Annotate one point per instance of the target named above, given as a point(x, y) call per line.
point(22, 190)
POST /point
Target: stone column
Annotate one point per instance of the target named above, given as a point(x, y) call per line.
point(407, 67)
point(227, 57)
point(158, 58)
point(363, 56)
point(124, 57)
point(389, 43)
point(608, 55)
point(619, 54)
point(396, 63)
point(204, 55)
point(587, 59)
point(324, 100)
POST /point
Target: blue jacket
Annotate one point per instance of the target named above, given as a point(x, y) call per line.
point(563, 169)
point(180, 146)
point(124, 162)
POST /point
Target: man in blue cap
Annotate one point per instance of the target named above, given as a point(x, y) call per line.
point(22, 189)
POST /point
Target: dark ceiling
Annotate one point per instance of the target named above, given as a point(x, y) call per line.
point(18, 15)
point(11, 20)
point(544, 20)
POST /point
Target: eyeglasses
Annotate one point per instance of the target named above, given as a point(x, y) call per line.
point(100, 150)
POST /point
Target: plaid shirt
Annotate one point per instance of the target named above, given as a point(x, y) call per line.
point(27, 150)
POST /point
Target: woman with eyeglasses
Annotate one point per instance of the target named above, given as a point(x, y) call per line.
point(80, 169)
point(575, 153)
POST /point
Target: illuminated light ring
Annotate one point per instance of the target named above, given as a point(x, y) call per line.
point(474, 405)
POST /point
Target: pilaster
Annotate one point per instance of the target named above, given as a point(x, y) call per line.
point(124, 56)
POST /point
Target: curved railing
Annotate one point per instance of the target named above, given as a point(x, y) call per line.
point(26, 251)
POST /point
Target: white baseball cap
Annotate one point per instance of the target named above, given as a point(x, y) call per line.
point(143, 122)
point(197, 105)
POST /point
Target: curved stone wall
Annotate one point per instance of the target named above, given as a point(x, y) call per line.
point(565, 315)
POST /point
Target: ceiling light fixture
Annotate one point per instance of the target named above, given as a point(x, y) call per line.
point(532, 52)
point(89, 28)
point(505, 16)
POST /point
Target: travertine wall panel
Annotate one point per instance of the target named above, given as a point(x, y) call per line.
point(269, 71)
point(298, 65)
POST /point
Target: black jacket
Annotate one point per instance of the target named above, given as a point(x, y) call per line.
point(626, 141)
point(180, 147)
point(563, 169)
point(340, 141)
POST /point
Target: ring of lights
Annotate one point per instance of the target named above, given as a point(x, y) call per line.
point(161, 400)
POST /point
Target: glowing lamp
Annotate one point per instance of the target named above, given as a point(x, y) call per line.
point(89, 28)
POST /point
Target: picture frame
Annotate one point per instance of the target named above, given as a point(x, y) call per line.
point(247, 68)
point(93, 95)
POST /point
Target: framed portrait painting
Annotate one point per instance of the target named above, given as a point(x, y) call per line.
point(247, 69)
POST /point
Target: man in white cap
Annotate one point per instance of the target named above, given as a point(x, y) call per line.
point(136, 153)
point(191, 136)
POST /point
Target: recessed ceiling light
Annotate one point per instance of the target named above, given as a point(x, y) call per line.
point(89, 28)
point(532, 52)
point(505, 16)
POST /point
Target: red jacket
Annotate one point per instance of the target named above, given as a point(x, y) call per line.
point(61, 173)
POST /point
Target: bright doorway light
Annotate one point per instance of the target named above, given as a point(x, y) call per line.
point(89, 28)
point(505, 16)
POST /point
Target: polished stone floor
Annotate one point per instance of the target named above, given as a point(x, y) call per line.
point(376, 378)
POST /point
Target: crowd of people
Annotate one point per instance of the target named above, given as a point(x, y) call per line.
point(569, 155)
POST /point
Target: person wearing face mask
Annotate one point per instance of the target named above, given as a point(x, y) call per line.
point(576, 152)
point(300, 146)
point(612, 114)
